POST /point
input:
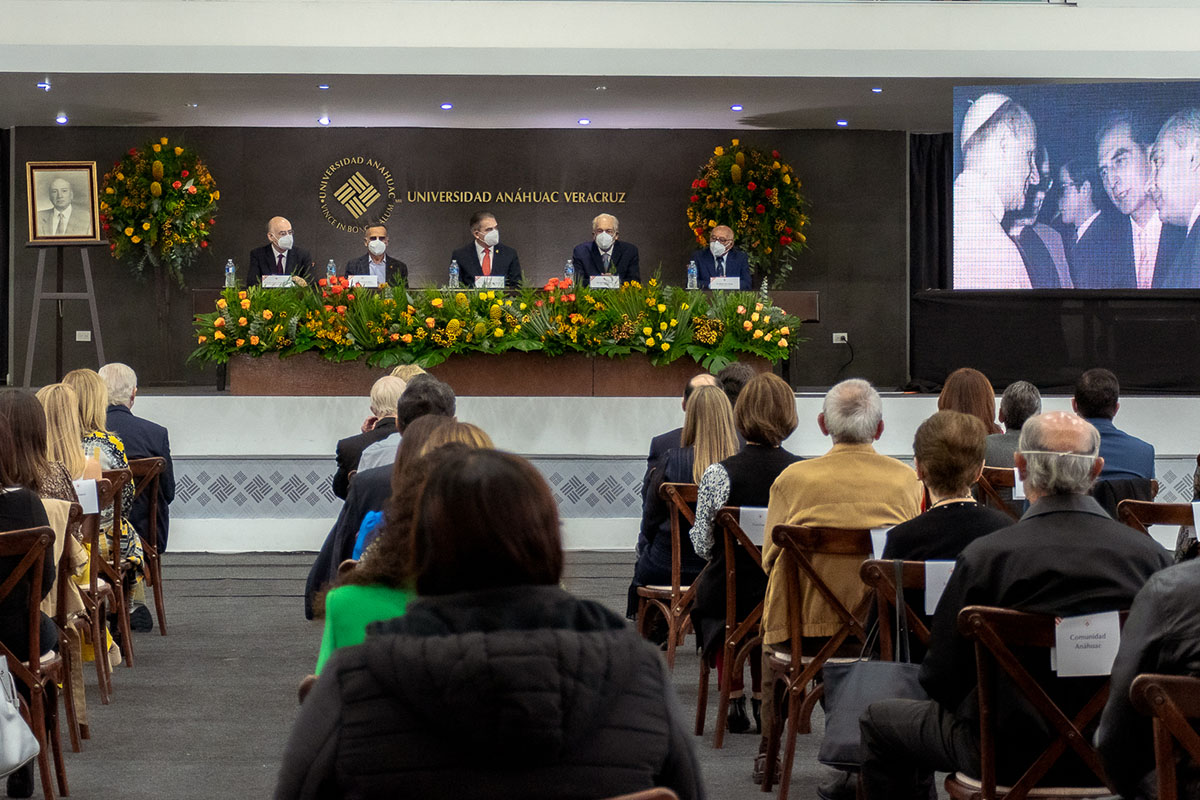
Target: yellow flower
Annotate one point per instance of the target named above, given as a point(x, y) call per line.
point(222, 304)
point(156, 189)
point(783, 343)
point(253, 340)
point(754, 317)
point(662, 326)
point(201, 339)
point(522, 306)
point(747, 324)
point(775, 165)
point(145, 226)
point(135, 239)
point(767, 338)
point(120, 176)
point(719, 151)
point(217, 335)
point(758, 306)
point(666, 345)
point(242, 294)
point(437, 302)
point(784, 331)
point(674, 322)
point(653, 282)
point(498, 332)
point(766, 319)
point(647, 331)
point(685, 306)
point(163, 140)
point(216, 195)
point(156, 170)
point(245, 304)
point(239, 342)
point(128, 231)
point(178, 151)
point(712, 223)
point(758, 334)
point(109, 190)
point(787, 178)
point(649, 342)
point(158, 149)
point(267, 313)
point(661, 308)
point(241, 320)
point(735, 142)
point(491, 295)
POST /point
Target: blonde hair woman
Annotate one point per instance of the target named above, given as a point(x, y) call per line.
point(64, 436)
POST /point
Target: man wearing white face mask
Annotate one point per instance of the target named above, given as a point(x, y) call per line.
point(376, 260)
point(605, 254)
point(722, 260)
point(485, 255)
point(278, 256)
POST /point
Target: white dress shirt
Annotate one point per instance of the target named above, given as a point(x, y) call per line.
point(378, 268)
point(985, 257)
point(1145, 249)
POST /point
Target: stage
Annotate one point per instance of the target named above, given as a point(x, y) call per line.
point(254, 473)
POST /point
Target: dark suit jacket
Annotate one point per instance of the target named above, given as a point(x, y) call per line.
point(1183, 272)
point(262, 262)
point(350, 449)
point(504, 262)
point(146, 439)
point(369, 491)
point(397, 270)
point(1097, 260)
point(659, 447)
point(737, 265)
point(1065, 557)
point(624, 262)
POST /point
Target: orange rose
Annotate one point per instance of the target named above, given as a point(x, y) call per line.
point(240, 342)
point(406, 338)
point(267, 314)
point(245, 304)
point(395, 337)
point(242, 321)
point(253, 340)
point(219, 322)
point(341, 309)
point(201, 339)
point(430, 322)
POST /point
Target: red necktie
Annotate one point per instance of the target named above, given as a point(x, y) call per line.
point(281, 263)
point(487, 261)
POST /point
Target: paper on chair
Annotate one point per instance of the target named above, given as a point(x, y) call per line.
point(879, 541)
point(88, 500)
point(753, 520)
point(1018, 487)
point(937, 575)
point(1087, 645)
point(1165, 535)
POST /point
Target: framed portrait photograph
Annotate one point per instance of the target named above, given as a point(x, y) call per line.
point(63, 202)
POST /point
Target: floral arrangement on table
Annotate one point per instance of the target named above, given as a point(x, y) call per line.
point(393, 325)
point(157, 208)
point(757, 195)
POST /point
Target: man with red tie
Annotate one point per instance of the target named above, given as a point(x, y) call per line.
point(485, 255)
point(278, 256)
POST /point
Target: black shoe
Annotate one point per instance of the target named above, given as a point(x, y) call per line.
point(20, 783)
point(756, 710)
point(738, 721)
point(842, 786)
point(140, 620)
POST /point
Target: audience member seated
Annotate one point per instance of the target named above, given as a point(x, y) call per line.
point(64, 435)
point(495, 683)
point(92, 394)
point(707, 438)
point(1097, 399)
point(385, 392)
point(143, 439)
point(383, 452)
point(1020, 401)
point(1161, 635)
point(1065, 557)
point(765, 415)
point(733, 378)
point(969, 391)
point(27, 421)
point(436, 395)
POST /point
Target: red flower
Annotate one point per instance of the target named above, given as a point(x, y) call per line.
point(785, 240)
point(106, 226)
point(341, 309)
point(132, 152)
point(323, 282)
point(751, 186)
point(212, 222)
point(787, 231)
point(695, 198)
point(571, 297)
point(204, 244)
point(329, 308)
point(695, 183)
point(703, 183)
point(191, 190)
point(349, 297)
point(176, 185)
point(538, 304)
point(183, 173)
point(760, 209)
point(337, 290)
point(774, 154)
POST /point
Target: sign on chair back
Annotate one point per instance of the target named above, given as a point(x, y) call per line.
point(146, 474)
point(991, 481)
point(1000, 635)
point(1174, 703)
point(674, 601)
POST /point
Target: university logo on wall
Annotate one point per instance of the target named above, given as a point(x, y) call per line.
point(355, 192)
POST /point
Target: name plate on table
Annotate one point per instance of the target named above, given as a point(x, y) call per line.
point(1086, 645)
point(489, 282)
point(753, 520)
point(726, 284)
point(366, 281)
point(277, 281)
point(604, 282)
point(88, 499)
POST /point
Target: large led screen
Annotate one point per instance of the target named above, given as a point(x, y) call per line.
point(1077, 186)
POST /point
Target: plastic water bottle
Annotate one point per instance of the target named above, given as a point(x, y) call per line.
point(230, 275)
point(452, 283)
point(330, 271)
point(691, 276)
point(569, 271)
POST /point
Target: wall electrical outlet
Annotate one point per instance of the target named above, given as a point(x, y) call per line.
point(83, 336)
point(841, 338)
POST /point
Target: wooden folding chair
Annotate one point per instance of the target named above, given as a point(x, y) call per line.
point(997, 632)
point(741, 635)
point(114, 568)
point(880, 576)
point(796, 671)
point(70, 629)
point(40, 676)
point(99, 597)
point(1141, 514)
point(657, 793)
point(146, 475)
point(674, 602)
point(1174, 703)
point(991, 481)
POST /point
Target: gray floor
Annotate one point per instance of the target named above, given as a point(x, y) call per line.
point(206, 711)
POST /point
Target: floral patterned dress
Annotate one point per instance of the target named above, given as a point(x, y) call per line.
point(109, 448)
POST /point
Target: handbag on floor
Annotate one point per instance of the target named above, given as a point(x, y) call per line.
point(852, 686)
point(18, 746)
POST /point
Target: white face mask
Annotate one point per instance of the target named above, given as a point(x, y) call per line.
point(492, 238)
point(376, 247)
point(284, 242)
point(604, 240)
point(717, 248)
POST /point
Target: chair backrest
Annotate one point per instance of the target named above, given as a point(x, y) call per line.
point(146, 473)
point(65, 567)
point(1174, 703)
point(1141, 514)
point(30, 546)
point(117, 478)
point(991, 481)
point(1110, 493)
point(90, 533)
point(880, 576)
point(681, 501)
point(996, 633)
point(736, 539)
point(657, 793)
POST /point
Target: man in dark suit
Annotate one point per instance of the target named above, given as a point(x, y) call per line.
point(385, 393)
point(143, 439)
point(278, 256)
point(606, 254)
point(376, 260)
point(1176, 159)
point(1093, 254)
point(1065, 557)
point(722, 260)
point(485, 255)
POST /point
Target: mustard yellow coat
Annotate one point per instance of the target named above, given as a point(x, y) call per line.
point(851, 486)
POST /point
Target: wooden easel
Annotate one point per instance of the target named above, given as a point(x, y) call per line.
point(60, 295)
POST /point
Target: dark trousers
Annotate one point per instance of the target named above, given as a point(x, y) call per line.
point(905, 741)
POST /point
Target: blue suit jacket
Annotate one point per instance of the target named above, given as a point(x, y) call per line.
point(1183, 271)
point(588, 261)
point(504, 262)
point(146, 439)
point(737, 265)
point(1098, 260)
point(1124, 456)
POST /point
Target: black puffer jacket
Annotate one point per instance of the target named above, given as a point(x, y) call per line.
point(522, 692)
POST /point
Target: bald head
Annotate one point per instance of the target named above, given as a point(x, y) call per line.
point(703, 379)
point(1059, 454)
point(278, 228)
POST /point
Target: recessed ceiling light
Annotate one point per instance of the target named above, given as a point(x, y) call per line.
point(192, 105)
point(44, 85)
point(322, 86)
point(735, 108)
point(601, 88)
point(878, 90)
point(323, 119)
point(61, 119)
point(841, 123)
point(585, 121)
point(447, 106)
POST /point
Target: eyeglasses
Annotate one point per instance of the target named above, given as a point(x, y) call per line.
point(721, 239)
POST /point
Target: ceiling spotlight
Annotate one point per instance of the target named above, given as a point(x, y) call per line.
point(191, 105)
point(878, 90)
point(447, 106)
point(735, 107)
point(601, 88)
point(323, 86)
point(585, 121)
point(44, 85)
point(61, 119)
point(841, 123)
point(323, 119)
